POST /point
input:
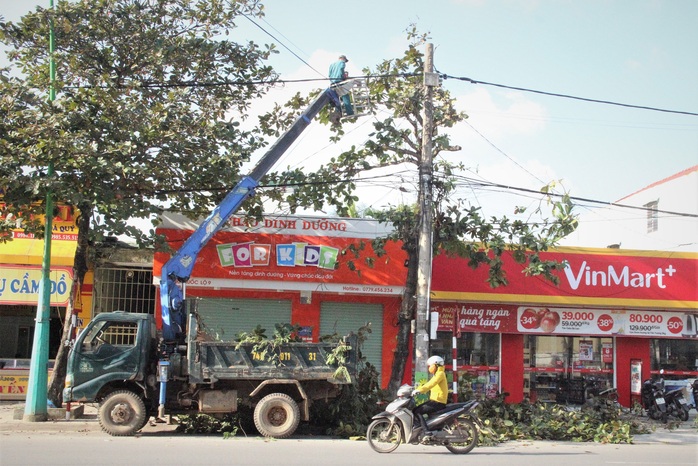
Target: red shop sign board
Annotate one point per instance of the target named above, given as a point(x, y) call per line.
point(634, 279)
point(296, 252)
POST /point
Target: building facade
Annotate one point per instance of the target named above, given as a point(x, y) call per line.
point(615, 318)
point(660, 217)
point(20, 275)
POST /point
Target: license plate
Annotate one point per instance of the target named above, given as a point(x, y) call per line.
point(660, 401)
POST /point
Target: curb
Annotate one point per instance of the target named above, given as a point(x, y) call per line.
point(84, 420)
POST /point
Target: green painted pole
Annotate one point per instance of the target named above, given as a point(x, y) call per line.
point(36, 409)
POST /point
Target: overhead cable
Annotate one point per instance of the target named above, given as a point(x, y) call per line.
point(566, 96)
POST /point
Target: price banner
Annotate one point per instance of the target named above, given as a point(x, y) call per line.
point(499, 318)
point(603, 322)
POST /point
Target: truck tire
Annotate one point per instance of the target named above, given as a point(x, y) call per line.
point(122, 413)
point(276, 415)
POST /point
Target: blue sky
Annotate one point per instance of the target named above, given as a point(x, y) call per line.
point(640, 52)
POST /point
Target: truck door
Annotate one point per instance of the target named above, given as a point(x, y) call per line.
point(107, 350)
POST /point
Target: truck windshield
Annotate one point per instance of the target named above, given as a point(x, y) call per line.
point(110, 333)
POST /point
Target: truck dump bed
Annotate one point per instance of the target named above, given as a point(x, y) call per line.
point(210, 361)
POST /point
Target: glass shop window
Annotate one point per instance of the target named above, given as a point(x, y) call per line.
point(566, 369)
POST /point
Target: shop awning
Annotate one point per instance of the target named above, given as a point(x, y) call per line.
point(25, 251)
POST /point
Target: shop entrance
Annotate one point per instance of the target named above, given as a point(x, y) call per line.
point(566, 369)
point(477, 361)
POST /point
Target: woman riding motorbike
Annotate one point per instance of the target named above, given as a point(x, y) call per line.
point(438, 385)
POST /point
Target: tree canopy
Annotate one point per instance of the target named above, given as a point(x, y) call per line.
point(150, 99)
point(150, 95)
point(459, 228)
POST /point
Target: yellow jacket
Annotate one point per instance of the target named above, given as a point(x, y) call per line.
point(438, 386)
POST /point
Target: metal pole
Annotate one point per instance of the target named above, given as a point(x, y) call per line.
point(426, 169)
point(36, 409)
point(454, 354)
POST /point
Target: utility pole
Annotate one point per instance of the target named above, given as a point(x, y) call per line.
point(36, 409)
point(426, 221)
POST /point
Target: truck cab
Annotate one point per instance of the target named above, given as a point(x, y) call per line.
point(114, 351)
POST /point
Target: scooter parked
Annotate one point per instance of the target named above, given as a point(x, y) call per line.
point(454, 427)
point(694, 389)
point(676, 405)
point(652, 395)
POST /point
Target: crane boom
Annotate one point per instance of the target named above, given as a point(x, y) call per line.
point(180, 265)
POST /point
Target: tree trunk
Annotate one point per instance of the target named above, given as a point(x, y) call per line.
point(409, 303)
point(57, 381)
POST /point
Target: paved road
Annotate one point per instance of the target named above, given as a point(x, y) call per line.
point(77, 449)
point(81, 442)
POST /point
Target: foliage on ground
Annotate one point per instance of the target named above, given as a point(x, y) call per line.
point(350, 414)
point(228, 425)
point(545, 421)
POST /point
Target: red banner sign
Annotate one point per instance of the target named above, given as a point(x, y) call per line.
point(563, 321)
point(591, 277)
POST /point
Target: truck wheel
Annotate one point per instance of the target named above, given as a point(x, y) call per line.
point(122, 413)
point(276, 415)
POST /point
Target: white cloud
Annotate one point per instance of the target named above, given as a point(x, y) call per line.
point(507, 113)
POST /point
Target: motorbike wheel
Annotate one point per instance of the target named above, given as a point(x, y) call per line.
point(683, 413)
point(654, 413)
point(466, 429)
point(384, 436)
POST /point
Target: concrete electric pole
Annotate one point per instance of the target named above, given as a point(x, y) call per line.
point(421, 343)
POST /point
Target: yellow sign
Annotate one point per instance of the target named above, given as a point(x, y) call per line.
point(14, 382)
point(21, 284)
point(24, 248)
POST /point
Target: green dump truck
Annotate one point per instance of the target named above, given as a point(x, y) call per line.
point(117, 361)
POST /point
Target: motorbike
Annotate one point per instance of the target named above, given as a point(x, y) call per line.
point(652, 396)
point(694, 389)
point(676, 405)
point(454, 427)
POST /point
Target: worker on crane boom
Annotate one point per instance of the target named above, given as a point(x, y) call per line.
point(338, 74)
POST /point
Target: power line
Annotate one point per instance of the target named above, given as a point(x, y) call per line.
point(567, 96)
point(156, 85)
point(284, 45)
point(574, 198)
point(175, 84)
point(501, 151)
point(467, 181)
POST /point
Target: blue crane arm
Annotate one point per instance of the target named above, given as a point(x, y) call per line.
point(180, 265)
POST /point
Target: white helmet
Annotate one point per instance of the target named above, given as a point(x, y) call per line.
point(438, 360)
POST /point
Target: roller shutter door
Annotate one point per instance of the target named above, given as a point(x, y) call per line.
point(226, 318)
point(349, 317)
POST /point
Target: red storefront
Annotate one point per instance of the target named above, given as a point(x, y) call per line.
point(616, 318)
point(615, 314)
point(308, 271)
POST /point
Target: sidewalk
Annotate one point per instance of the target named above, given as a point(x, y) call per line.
point(84, 421)
point(685, 433)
